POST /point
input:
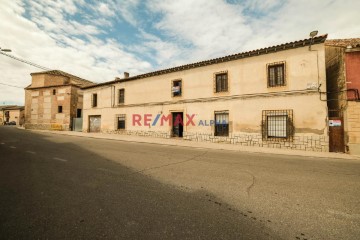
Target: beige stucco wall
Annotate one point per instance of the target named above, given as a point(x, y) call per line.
point(248, 95)
point(16, 115)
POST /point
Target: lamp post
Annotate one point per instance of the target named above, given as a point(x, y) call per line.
point(312, 35)
point(5, 50)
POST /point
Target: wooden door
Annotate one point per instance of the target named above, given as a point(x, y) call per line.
point(336, 134)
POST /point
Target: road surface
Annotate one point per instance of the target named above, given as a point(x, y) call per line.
point(63, 187)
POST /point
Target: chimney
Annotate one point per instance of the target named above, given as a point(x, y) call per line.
point(126, 74)
point(117, 78)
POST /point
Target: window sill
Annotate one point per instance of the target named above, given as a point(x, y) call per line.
point(222, 93)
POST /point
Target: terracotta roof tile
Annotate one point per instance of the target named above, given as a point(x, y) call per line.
point(261, 51)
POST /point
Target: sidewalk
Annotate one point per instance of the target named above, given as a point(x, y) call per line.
point(204, 145)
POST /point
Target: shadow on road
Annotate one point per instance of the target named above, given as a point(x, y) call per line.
point(59, 190)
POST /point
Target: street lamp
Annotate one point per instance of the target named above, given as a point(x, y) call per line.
point(5, 50)
point(312, 35)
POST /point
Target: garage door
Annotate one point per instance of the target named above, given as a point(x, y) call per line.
point(95, 123)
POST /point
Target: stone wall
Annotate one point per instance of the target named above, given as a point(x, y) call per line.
point(45, 126)
point(156, 134)
point(306, 142)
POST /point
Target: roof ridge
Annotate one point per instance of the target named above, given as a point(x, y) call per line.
point(236, 56)
point(62, 73)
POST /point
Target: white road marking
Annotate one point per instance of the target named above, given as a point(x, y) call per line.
point(12, 147)
point(31, 152)
point(60, 159)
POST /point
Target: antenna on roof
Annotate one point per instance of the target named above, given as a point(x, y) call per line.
point(312, 35)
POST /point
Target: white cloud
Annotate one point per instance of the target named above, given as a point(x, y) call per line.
point(104, 9)
point(56, 49)
point(189, 31)
point(212, 28)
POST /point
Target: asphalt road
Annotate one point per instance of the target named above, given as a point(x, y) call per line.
point(62, 187)
point(58, 190)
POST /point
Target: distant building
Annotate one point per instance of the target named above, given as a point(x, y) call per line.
point(53, 99)
point(12, 113)
point(268, 97)
point(343, 77)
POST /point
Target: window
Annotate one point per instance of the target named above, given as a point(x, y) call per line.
point(276, 75)
point(277, 124)
point(54, 91)
point(221, 82)
point(94, 100)
point(79, 113)
point(176, 88)
point(60, 109)
point(121, 121)
point(221, 124)
point(121, 95)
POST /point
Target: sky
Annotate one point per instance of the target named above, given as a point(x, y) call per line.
point(99, 40)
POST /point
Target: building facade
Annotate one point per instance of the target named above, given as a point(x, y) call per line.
point(268, 98)
point(53, 100)
point(343, 75)
point(12, 114)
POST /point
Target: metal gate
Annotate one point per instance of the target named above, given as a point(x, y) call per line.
point(77, 124)
point(336, 134)
point(95, 123)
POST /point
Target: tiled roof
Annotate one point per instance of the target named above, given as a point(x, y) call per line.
point(78, 80)
point(353, 42)
point(261, 51)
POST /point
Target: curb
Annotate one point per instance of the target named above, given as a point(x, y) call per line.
point(343, 156)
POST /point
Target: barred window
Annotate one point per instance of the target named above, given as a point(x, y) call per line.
point(221, 81)
point(277, 124)
point(276, 75)
point(121, 120)
point(221, 124)
point(122, 95)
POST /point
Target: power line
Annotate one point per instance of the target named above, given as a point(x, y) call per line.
point(11, 85)
point(25, 61)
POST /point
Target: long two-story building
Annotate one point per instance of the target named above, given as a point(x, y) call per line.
point(268, 97)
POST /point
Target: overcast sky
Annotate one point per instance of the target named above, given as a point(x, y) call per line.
point(99, 40)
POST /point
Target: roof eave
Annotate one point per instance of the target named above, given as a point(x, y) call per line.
point(282, 47)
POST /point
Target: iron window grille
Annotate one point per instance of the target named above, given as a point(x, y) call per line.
point(221, 82)
point(121, 122)
point(176, 88)
point(94, 100)
point(276, 74)
point(221, 124)
point(277, 125)
point(121, 96)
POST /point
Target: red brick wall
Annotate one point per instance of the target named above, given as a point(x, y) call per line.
point(352, 63)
